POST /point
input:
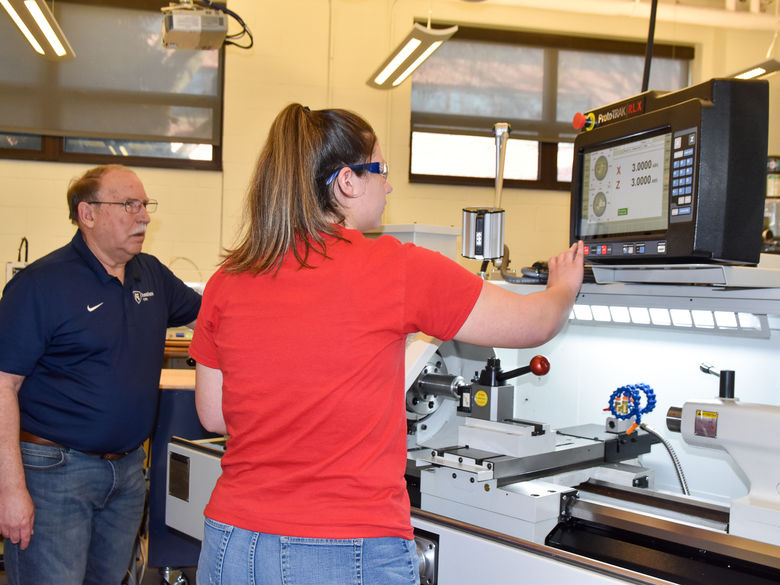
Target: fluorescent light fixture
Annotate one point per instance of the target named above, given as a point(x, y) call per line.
point(765, 69)
point(39, 27)
point(417, 62)
point(771, 65)
point(415, 48)
point(45, 26)
point(22, 27)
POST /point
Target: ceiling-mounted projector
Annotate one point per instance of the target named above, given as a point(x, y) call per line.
point(188, 26)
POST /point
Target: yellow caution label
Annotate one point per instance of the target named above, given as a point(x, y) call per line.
point(705, 424)
point(481, 398)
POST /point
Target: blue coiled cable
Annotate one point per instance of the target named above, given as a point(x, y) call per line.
point(632, 393)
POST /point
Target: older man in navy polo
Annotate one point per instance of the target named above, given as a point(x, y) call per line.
point(82, 332)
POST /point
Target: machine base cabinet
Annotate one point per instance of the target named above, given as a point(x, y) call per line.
point(467, 555)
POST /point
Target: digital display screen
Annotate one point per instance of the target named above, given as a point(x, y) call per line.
point(625, 187)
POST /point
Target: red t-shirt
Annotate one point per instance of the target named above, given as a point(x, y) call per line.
point(313, 373)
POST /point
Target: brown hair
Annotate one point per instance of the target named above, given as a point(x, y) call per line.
point(289, 202)
point(85, 188)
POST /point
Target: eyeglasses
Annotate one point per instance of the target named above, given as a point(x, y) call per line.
point(132, 206)
point(379, 168)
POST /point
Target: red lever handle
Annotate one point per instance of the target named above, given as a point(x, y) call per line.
point(540, 365)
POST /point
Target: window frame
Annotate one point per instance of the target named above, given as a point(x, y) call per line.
point(547, 169)
point(53, 150)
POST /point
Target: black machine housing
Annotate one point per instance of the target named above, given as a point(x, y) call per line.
point(674, 177)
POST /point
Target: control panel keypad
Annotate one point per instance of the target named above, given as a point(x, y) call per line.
point(683, 155)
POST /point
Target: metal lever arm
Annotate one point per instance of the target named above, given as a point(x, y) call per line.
point(492, 375)
point(726, 379)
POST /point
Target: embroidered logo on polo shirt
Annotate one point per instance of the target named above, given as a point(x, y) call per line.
point(93, 307)
point(142, 297)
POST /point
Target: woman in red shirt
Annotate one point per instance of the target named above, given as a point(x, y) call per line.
point(300, 349)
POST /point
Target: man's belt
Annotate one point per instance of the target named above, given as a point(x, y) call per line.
point(35, 439)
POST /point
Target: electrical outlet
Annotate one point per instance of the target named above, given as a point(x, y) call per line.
point(11, 268)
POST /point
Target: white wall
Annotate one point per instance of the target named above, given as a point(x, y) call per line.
point(320, 53)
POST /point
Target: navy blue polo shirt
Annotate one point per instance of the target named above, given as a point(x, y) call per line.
point(90, 348)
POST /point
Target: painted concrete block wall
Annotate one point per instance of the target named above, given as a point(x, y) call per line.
point(184, 232)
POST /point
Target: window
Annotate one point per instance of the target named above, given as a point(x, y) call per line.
point(125, 98)
point(536, 83)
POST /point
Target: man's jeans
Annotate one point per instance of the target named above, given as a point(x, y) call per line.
point(87, 514)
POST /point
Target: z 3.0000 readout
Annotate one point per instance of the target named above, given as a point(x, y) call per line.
point(643, 180)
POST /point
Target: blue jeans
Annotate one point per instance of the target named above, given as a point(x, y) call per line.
point(87, 514)
point(233, 556)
